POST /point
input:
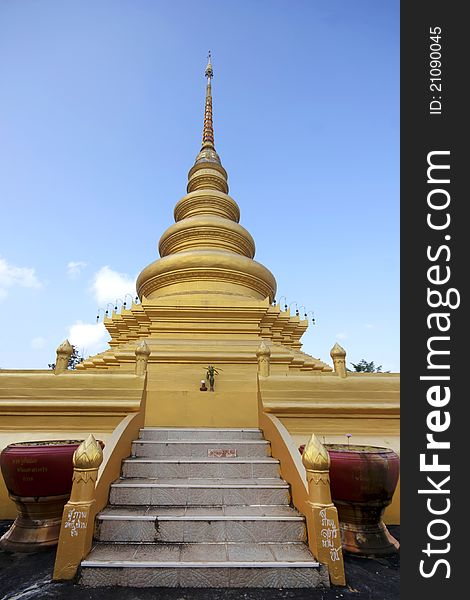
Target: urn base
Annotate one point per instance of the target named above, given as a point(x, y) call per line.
point(362, 530)
point(37, 525)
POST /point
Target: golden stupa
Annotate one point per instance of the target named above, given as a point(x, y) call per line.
point(205, 301)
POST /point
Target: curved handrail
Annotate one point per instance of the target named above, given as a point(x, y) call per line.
point(307, 498)
point(88, 498)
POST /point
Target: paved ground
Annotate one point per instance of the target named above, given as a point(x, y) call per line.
point(28, 577)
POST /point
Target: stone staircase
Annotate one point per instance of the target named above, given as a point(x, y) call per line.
point(201, 508)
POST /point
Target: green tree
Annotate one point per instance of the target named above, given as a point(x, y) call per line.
point(366, 367)
point(74, 360)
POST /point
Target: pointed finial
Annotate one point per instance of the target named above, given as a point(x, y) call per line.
point(263, 350)
point(88, 455)
point(142, 353)
point(143, 348)
point(209, 71)
point(315, 456)
point(264, 358)
point(338, 354)
point(337, 351)
point(207, 152)
point(65, 348)
point(208, 131)
point(63, 354)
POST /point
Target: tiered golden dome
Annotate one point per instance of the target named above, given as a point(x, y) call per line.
point(206, 251)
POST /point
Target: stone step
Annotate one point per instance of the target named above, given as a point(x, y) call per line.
point(199, 433)
point(199, 492)
point(201, 524)
point(287, 565)
point(187, 466)
point(201, 507)
point(201, 448)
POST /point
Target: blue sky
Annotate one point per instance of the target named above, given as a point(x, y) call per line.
point(101, 118)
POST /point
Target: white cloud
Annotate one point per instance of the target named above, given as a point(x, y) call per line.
point(38, 343)
point(74, 268)
point(90, 338)
point(368, 326)
point(341, 336)
point(11, 276)
point(108, 285)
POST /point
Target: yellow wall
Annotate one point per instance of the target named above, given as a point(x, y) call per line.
point(39, 405)
point(365, 406)
point(174, 398)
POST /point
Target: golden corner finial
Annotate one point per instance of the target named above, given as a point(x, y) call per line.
point(143, 348)
point(315, 456)
point(65, 348)
point(209, 72)
point(338, 354)
point(337, 350)
point(263, 350)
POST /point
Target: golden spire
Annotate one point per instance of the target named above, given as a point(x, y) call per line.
point(208, 153)
point(206, 252)
point(208, 131)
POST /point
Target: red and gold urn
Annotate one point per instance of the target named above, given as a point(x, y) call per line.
point(38, 476)
point(363, 480)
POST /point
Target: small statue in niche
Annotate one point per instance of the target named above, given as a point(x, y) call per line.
point(211, 372)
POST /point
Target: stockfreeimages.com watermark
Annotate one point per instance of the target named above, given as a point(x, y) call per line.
point(441, 300)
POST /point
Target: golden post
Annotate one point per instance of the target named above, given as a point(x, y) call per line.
point(325, 539)
point(64, 352)
point(76, 532)
point(142, 354)
point(264, 358)
point(338, 354)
